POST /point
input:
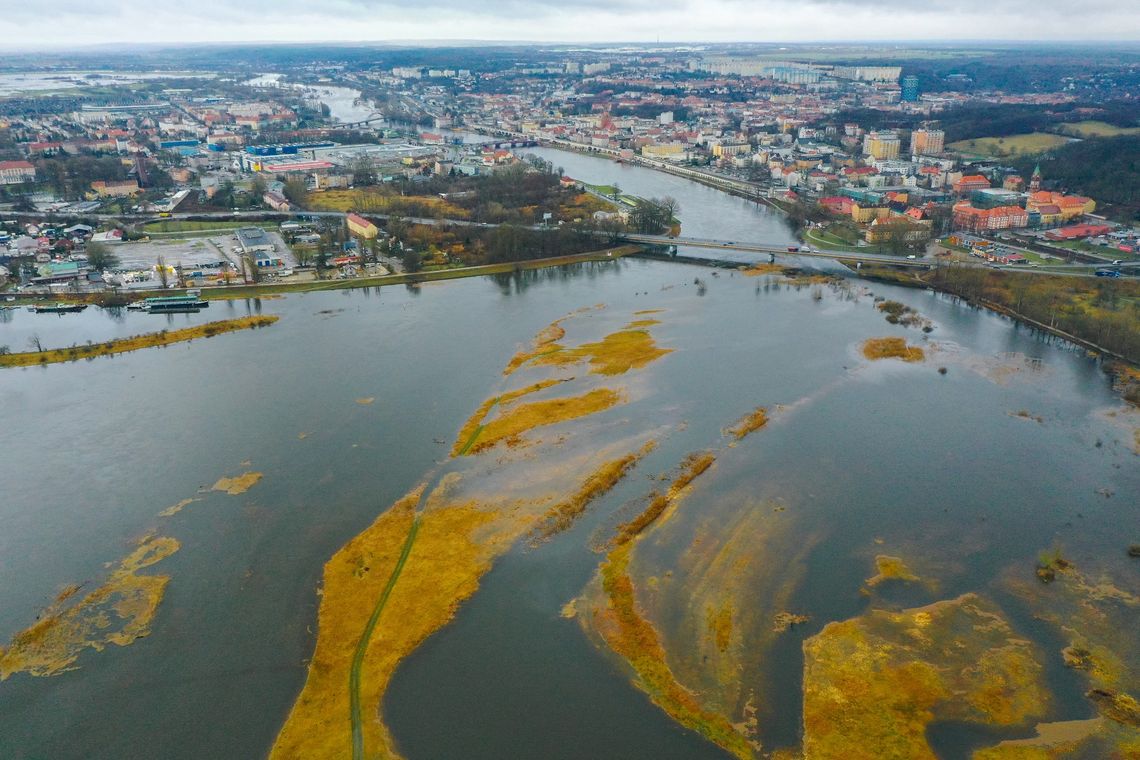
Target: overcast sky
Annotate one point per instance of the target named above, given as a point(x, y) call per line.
point(58, 23)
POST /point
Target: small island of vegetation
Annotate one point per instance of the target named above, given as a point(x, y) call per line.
point(132, 343)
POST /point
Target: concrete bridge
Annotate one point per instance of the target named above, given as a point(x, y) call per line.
point(771, 250)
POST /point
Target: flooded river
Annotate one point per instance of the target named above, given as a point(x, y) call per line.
point(875, 488)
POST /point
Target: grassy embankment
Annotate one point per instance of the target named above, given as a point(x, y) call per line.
point(828, 241)
point(133, 343)
point(253, 291)
point(267, 289)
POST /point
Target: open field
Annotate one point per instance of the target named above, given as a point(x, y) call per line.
point(1013, 145)
point(168, 226)
point(828, 241)
point(1097, 129)
point(376, 200)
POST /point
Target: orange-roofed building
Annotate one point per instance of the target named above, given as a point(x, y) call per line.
point(1071, 206)
point(970, 183)
point(358, 225)
point(966, 217)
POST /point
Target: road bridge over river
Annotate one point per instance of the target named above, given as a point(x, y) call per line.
point(1130, 268)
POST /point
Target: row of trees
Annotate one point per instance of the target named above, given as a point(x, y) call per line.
point(654, 216)
point(1103, 312)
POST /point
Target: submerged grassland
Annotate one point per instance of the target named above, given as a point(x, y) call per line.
point(873, 684)
point(1094, 614)
point(117, 612)
point(134, 343)
point(749, 423)
point(614, 615)
point(404, 577)
point(892, 348)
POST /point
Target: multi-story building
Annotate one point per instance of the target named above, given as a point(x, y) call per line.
point(881, 144)
point(864, 214)
point(970, 183)
point(115, 188)
point(16, 172)
point(910, 88)
point(673, 151)
point(1070, 206)
point(966, 217)
point(927, 142)
point(723, 149)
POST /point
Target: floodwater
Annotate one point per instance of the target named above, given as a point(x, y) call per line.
point(863, 458)
point(17, 82)
point(343, 102)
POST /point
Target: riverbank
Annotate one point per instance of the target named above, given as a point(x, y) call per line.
point(738, 188)
point(133, 343)
point(1094, 315)
point(258, 290)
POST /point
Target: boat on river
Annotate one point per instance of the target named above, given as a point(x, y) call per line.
point(191, 302)
point(57, 308)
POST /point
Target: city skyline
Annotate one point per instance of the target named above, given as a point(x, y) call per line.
point(635, 21)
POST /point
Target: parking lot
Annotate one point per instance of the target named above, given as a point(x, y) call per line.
point(192, 252)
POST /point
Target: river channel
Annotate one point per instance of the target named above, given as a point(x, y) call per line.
point(354, 397)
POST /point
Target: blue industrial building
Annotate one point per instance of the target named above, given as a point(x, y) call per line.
point(285, 149)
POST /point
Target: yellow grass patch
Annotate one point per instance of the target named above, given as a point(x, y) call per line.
point(472, 429)
point(133, 343)
point(512, 423)
point(784, 620)
point(625, 629)
point(759, 269)
point(633, 638)
point(614, 354)
point(693, 466)
point(379, 201)
point(547, 338)
point(441, 570)
point(719, 622)
point(118, 612)
point(237, 485)
point(749, 423)
point(890, 569)
point(892, 348)
point(176, 508)
point(562, 515)
point(873, 684)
